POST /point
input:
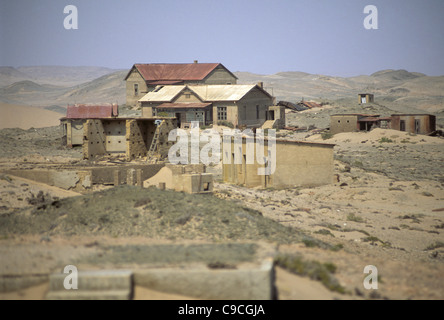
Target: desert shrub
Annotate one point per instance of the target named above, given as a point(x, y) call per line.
point(327, 135)
point(385, 140)
point(225, 123)
point(315, 270)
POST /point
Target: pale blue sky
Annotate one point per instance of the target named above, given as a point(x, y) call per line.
point(260, 36)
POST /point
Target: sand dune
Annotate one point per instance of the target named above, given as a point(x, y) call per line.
point(25, 117)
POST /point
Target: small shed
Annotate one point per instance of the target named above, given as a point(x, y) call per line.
point(365, 98)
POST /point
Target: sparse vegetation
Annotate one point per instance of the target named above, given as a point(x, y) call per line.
point(324, 232)
point(315, 270)
point(355, 218)
point(435, 245)
point(385, 140)
point(327, 135)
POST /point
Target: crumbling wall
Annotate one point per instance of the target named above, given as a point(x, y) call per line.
point(94, 139)
point(164, 145)
point(186, 178)
point(136, 145)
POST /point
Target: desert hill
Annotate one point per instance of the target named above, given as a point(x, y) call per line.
point(108, 88)
point(57, 86)
point(55, 75)
point(399, 90)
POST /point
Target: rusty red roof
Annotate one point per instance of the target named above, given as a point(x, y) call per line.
point(175, 71)
point(89, 111)
point(184, 105)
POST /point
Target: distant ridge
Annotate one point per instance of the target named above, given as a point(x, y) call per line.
point(53, 86)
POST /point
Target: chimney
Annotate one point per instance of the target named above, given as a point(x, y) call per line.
point(260, 85)
point(195, 61)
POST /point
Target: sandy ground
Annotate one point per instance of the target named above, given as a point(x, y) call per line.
point(16, 116)
point(386, 216)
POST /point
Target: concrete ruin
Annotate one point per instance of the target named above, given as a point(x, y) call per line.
point(186, 178)
point(298, 163)
point(83, 178)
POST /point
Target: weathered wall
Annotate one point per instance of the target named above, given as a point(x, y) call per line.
point(279, 116)
point(94, 139)
point(343, 123)
point(186, 178)
point(136, 145)
point(254, 102)
point(297, 164)
point(427, 123)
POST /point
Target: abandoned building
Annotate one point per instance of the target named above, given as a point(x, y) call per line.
point(357, 122)
point(298, 163)
point(365, 98)
point(240, 105)
point(132, 137)
point(76, 116)
point(143, 78)
point(414, 123)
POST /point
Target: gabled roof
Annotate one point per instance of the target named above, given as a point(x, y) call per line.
point(229, 92)
point(159, 72)
point(206, 93)
point(165, 94)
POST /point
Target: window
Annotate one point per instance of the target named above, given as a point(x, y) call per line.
point(187, 96)
point(221, 113)
point(136, 89)
point(257, 112)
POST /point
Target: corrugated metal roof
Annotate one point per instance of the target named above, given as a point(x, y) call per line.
point(165, 94)
point(232, 92)
point(210, 93)
point(174, 71)
point(183, 105)
point(90, 111)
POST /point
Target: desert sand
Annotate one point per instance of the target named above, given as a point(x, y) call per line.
point(383, 215)
point(25, 117)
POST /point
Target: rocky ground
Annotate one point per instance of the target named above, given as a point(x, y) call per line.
point(386, 208)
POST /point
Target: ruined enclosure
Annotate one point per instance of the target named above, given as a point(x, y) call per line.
point(130, 136)
point(83, 178)
point(296, 164)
